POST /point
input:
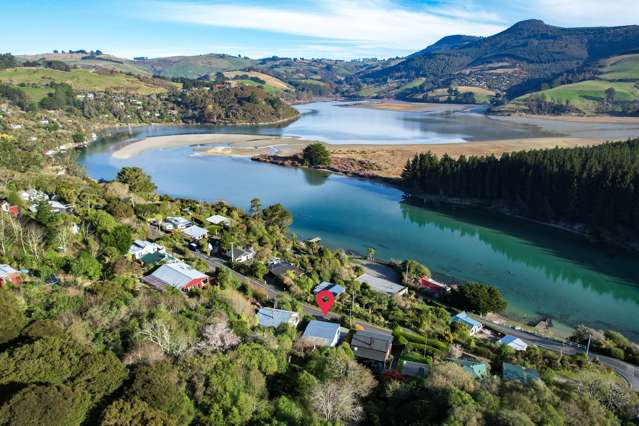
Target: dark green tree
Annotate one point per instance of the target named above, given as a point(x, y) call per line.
point(316, 155)
point(138, 181)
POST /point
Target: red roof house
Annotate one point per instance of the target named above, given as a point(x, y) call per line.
point(8, 275)
point(178, 275)
point(433, 286)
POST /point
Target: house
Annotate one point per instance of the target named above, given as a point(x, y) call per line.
point(336, 289)
point(414, 369)
point(141, 248)
point(241, 255)
point(11, 209)
point(195, 232)
point(217, 219)
point(271, 317)
point(322, 333)
point(513, 342)
point(382, 285)
point(283, 269)
point(54, 206)
point(516, 372)
point(178, 275)
point(33, 196)
point(172, 223)
point(8, 275)
point(435, 288)
point(372, 345)
point(476, 369)
point(463, 318)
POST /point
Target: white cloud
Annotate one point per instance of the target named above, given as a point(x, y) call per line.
point(586, 12)
point(365, 24)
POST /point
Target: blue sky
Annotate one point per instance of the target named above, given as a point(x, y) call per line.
point(342, 29)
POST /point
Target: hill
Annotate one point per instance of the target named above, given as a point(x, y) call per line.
point(89, 61)
point(193, 66)
point(515, 61)
point(614, 89)
point(38, 83)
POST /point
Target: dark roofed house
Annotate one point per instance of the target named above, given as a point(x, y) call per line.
point(281, 270)
point(372, 345)
point(516, 372)
point(414, 369)
point(475, 368)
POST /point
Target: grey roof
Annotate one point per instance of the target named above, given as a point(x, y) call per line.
point(176, 274)
point(195, 232)
point(519, 373)
point(270, 317)
point(6, 270)
point(236, 252)
point(216, 219)
point(322, 332)
point(372, 345)
point(280, 269)
point(381, 285)
point(414, 369)
point(336, 289)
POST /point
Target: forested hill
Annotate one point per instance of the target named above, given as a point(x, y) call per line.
point(594, 186)
point(515, 59)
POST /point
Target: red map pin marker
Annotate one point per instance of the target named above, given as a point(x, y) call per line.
point(325, 300)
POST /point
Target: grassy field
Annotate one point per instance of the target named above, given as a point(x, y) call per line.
point(370, 91)
point(194, 66)
point(585, 95)
point(273, 85)
point(411, 85)
point(482, 95)
point(106, 62)
point(79, 79)
point(625, 67)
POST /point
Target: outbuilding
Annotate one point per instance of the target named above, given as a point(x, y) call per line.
point(463, 318)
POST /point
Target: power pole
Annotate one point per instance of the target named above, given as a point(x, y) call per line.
point(588, 347)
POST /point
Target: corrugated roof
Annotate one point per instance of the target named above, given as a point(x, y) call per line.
point(195, 232)
point(464, 318)
point(6, 270)
point(372, 340)
point(322, 332)
point(336, 289)
point(176, 274)
point(270, 317)
point(380, 284)
point(216, 219)
point(519, 373)
point(514, 342)
point(414, 369)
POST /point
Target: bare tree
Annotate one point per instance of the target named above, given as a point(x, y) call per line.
point(34, 237)
point(157, 332)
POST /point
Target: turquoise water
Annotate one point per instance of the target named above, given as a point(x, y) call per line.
point(540, 270)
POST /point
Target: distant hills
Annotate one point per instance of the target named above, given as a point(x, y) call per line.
point(529, 57)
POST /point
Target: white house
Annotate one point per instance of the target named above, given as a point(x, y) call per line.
point(217, 219)
point(463, 318)
point(241, 255)
point(33, 196)
point(141, 248)
point(172, 223)
point(321, 333)
point(382, 285)
point(195, 232)
point(513, 342)
point(271, 317)
point(55, 206)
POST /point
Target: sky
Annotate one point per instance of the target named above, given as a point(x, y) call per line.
point(341, 29)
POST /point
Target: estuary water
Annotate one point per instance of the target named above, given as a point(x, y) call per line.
point(542, 271)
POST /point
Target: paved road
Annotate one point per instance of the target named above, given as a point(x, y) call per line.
point(273, 292)
point(628, 371)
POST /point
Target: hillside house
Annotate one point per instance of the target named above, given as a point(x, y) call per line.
point(521, 374)
point(372, 345)
point(141, 248)
point(382, 285)
point(173, 223)
point(10, 209)
point(463, 318)
point(8, 275)
point(271, 317)
point(283, 269)
point(414, 369)
point(33, 196)
point(433, 287)
point(240, 255)
point(336, 289)
point(321, 333)
point(513, 342)
point(195, 232)
point(178, 275)
point(217, 219)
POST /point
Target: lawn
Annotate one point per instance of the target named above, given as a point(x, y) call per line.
point(79, 79)
point(276, 83)
point(586, 94)
point(625, 67)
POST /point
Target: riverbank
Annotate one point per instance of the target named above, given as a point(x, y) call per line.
point(394, 105)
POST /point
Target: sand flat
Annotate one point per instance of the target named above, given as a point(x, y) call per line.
point(392, 105)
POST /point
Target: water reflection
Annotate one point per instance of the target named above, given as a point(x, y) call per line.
point(315, 177)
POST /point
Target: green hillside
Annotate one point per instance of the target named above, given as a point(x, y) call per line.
point(92, 62)
point(194, 66)
point(620, 73)
point(36, 80)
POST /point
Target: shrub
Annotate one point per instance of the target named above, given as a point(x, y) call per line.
point(316, 155)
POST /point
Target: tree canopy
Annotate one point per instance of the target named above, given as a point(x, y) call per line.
point(316, 155)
